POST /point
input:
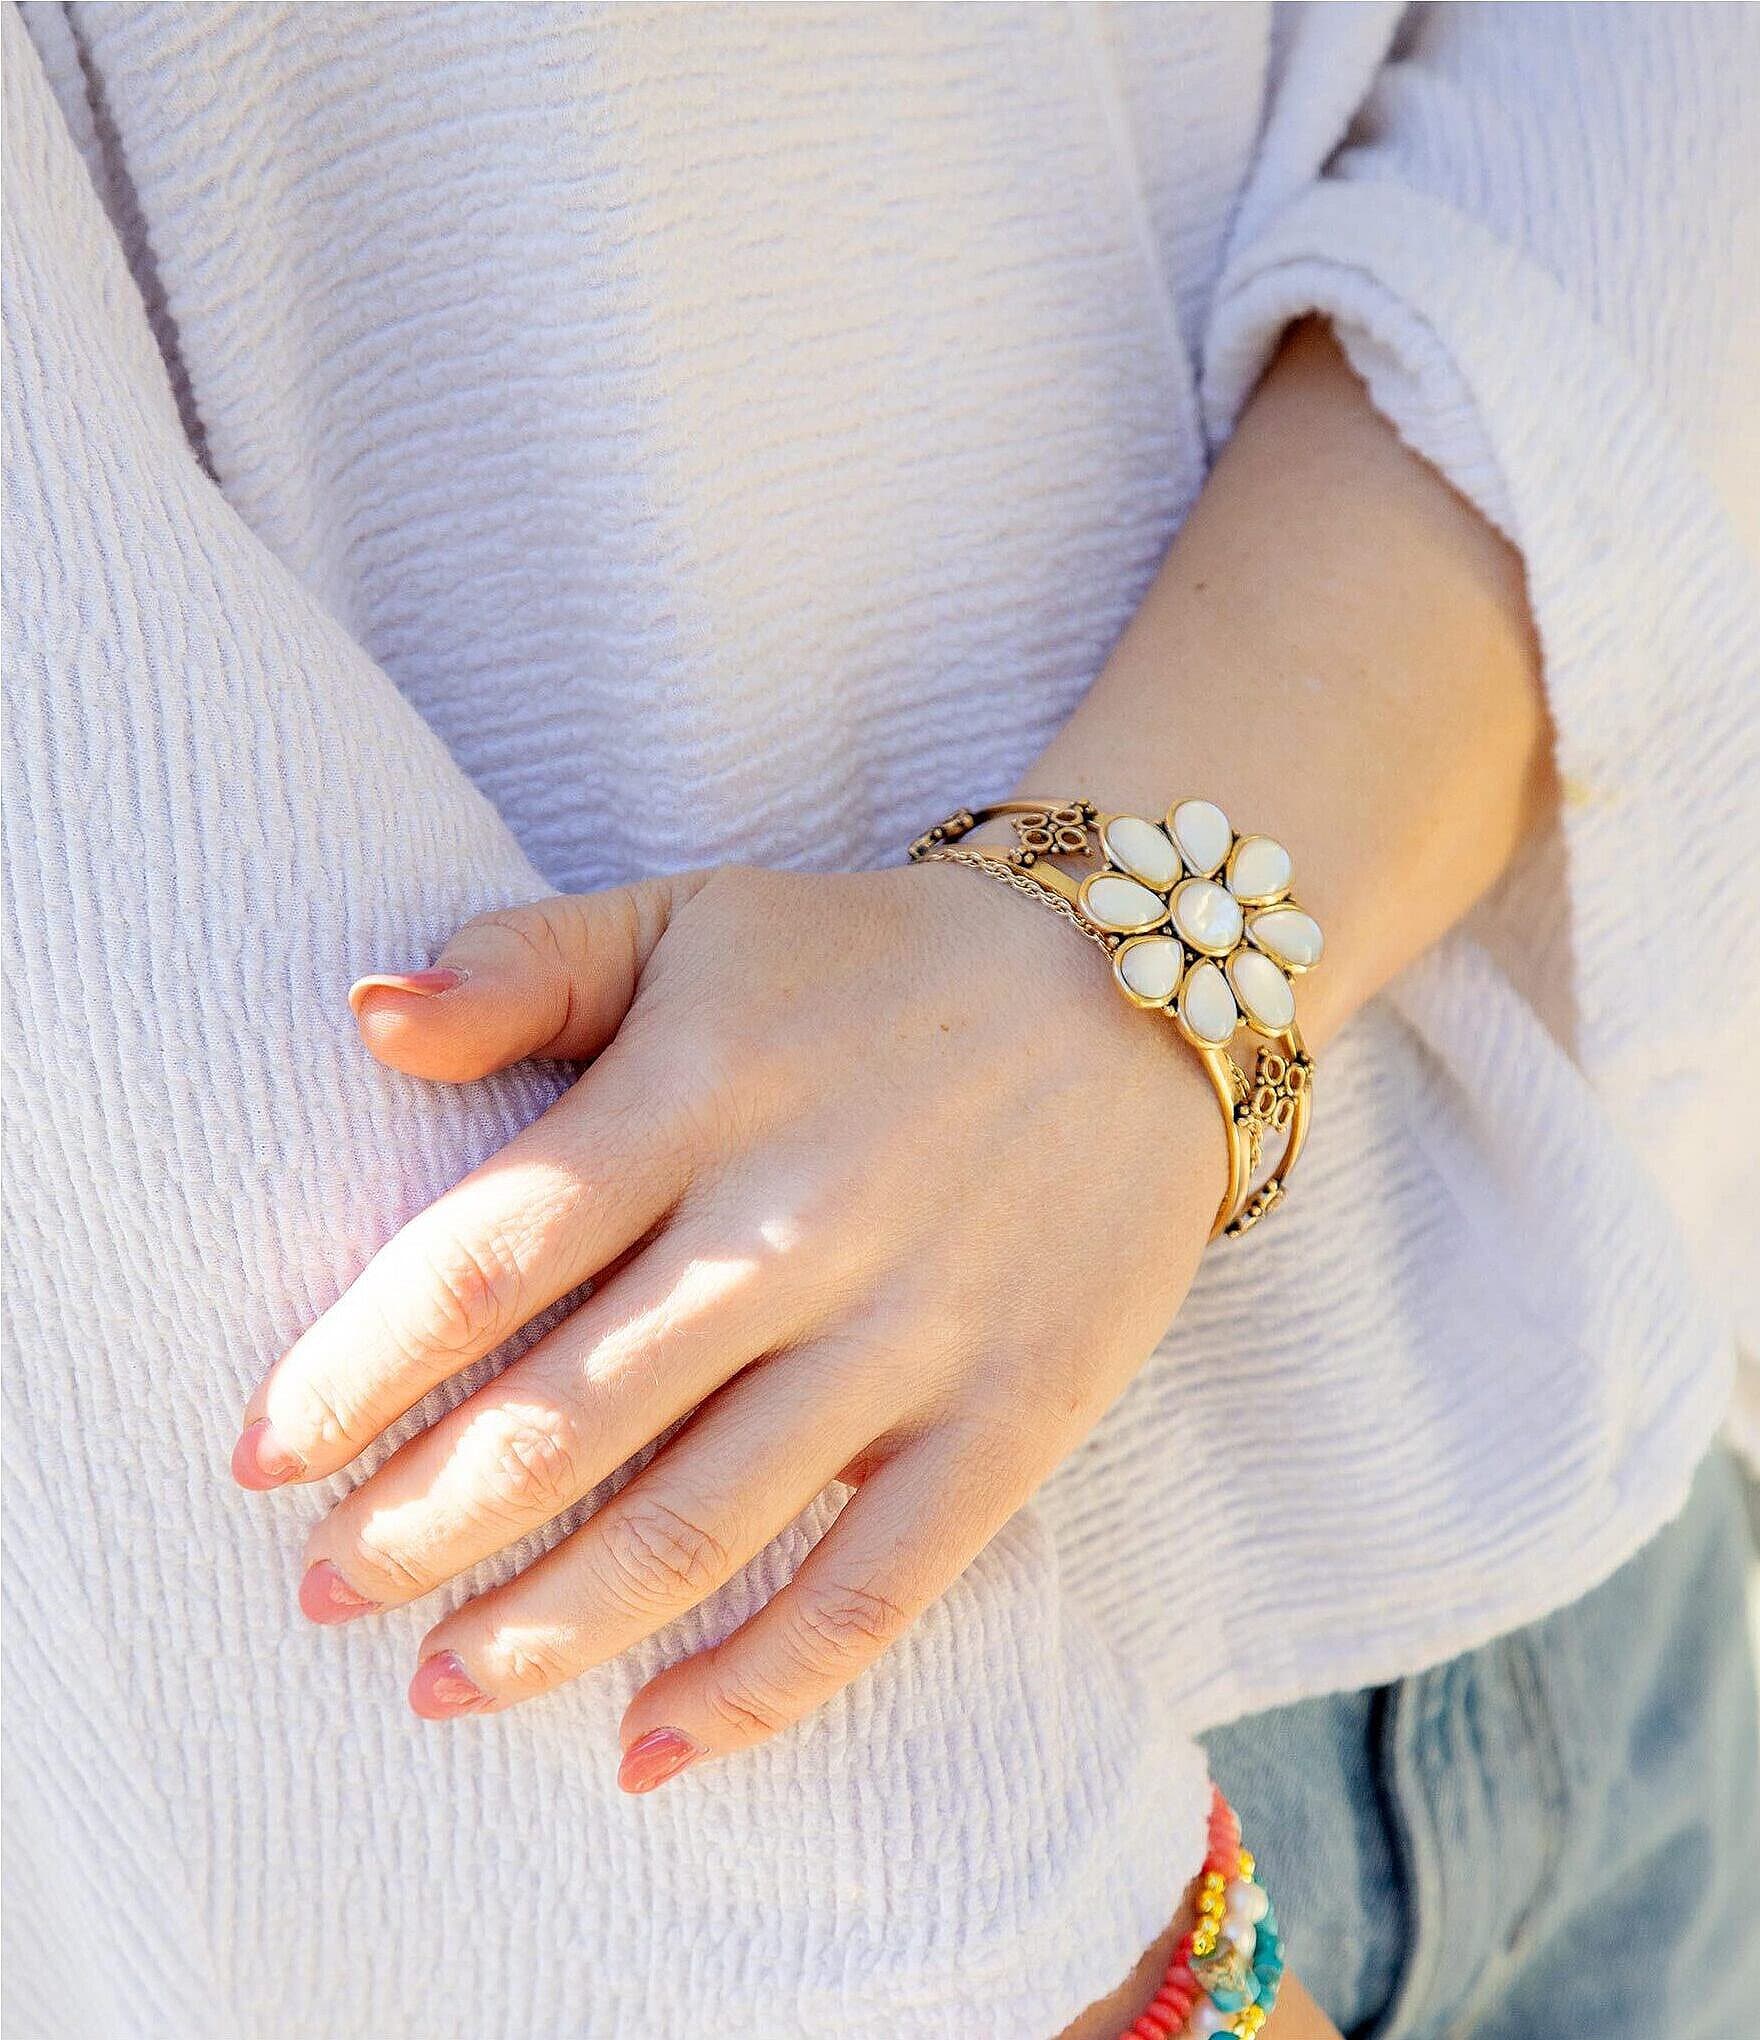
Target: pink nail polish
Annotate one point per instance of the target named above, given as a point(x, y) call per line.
point(442, 1688)
point(653, 1758)
point(420, 984)
point(325, 1596)
point(261, 1461)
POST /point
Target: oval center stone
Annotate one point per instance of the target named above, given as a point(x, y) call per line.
point(1208, 916)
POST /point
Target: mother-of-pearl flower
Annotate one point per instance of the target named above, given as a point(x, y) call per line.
point(1202, 831)
point(1207, 916)
point(1288, 934)
point(1148, 967)
point(1120, 905)
point(1259, 870)
point(1206, 1006)
point(1142, 849)
point(1267, 997)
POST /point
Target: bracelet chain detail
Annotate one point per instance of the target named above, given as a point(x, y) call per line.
point(1199, 923)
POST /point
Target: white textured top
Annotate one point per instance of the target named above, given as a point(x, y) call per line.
point(642, 437)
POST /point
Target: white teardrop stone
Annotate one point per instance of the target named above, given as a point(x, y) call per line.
point(1142, 849)
point(1207, 1006)
point(1259, 869)
point(1150, 967)
point(1201, 830)
point(1121, 905)
point(1207, 916)
point(1291, 936)
point(1267, 997)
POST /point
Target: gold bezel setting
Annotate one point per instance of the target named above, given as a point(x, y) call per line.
point(1195, 844)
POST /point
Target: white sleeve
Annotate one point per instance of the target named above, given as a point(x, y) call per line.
point(1540, 247)
point(218, 811)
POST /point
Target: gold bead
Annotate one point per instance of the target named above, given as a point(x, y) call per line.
point(1248, 1863)
point(1204, 1941)
point(1214, 1880)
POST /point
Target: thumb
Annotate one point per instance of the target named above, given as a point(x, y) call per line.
point(553, 979)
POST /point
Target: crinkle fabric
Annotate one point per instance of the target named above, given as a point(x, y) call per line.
point(458, 451)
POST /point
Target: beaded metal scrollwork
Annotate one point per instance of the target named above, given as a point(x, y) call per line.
point(1200, 923)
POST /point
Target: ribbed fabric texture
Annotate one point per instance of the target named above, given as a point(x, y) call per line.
point(454, 451)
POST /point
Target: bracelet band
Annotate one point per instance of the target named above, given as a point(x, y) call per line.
point(1227, 1971)
point(1199, 924)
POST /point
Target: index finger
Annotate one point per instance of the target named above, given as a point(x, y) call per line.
point(558, 1204)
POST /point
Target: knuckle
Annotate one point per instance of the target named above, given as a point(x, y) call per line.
point(652, 1557)
point(472, 1293)
point(835, 1625)
point(531, 1663)
point(745, 1710)
point(530, 1466)
point(383, 1571)
point(324, 1422)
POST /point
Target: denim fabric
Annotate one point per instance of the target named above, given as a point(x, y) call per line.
point(1554, 1838)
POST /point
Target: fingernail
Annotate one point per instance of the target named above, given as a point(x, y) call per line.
point(653, 1758)
point(325, 1596)
point(420, 984)
point(260, 1460)
point(442, 1688)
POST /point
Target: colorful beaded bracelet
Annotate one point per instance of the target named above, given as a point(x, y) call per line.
point(1199, 924)
point(1226, 1972)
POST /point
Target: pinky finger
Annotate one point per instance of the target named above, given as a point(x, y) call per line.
point(905, 1536)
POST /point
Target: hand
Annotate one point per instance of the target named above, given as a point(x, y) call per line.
point(879, 1178)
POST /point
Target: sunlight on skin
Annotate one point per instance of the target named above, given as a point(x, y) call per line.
point(804, 1185)
point(521, 1425)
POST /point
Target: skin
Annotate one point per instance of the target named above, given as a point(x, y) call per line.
point(807, 1157)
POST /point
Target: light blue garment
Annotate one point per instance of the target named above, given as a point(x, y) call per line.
point(1554, 1838)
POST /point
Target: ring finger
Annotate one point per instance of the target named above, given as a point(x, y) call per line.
point(662, 1335)
point(735, 1478)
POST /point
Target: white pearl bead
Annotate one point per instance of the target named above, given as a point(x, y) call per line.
point(1246, 1900)
point(1242, 1935)
point(1207, 2019)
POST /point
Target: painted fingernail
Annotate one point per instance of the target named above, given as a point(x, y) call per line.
point(325, 1596)
point(442, 1688)
point(260, 1460)
point(420, 984)
point(653, 1758)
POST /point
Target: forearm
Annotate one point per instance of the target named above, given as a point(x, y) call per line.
point(1337, 651)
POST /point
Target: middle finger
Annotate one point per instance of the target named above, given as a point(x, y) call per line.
point(660, 1337)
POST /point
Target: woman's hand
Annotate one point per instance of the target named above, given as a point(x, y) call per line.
point(877, 1176)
